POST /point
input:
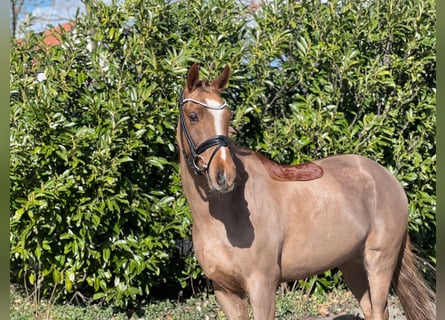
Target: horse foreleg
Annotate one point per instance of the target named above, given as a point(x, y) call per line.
point(262, 298)
point(234, 305)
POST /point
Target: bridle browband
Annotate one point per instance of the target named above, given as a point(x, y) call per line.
point(219, 140)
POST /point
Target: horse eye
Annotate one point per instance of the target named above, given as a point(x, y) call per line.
point(193, 116)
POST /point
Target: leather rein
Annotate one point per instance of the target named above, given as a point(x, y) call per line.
point(218, 140)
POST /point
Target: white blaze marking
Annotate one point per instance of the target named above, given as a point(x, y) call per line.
point(218, 118)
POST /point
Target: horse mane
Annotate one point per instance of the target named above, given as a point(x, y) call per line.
point(300, 172)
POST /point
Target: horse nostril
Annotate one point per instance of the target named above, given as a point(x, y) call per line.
point(220, 176)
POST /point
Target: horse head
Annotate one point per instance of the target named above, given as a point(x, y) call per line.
point(203, 130)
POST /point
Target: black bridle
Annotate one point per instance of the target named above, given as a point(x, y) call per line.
point(219, 140)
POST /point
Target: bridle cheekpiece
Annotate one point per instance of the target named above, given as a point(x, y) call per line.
point(218, 140)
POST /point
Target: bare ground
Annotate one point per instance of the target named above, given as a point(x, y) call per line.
point(350, 310)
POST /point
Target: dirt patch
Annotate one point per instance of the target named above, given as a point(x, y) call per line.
point(351, 311)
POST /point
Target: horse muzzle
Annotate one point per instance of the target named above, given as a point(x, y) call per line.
point(221, 174)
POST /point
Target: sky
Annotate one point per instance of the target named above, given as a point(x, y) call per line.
point(52, 12)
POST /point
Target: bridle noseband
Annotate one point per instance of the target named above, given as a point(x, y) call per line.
point(219, 140)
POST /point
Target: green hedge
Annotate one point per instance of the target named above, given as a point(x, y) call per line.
point(96, 202)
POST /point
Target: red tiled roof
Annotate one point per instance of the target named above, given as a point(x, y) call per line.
point(49, 37)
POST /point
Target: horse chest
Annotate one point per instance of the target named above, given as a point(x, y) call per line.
point(221, 263)
point(226, 254)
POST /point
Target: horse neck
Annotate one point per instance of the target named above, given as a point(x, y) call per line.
point(193, 183)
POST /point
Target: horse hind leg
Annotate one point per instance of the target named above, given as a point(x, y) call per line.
point(380, 268)
point(369, 280)
point(356, 278)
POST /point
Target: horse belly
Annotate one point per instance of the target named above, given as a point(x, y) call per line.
point(313, 251)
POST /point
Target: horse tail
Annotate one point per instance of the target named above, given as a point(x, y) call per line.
point(417, 298)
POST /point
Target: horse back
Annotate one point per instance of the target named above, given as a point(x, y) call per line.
point(351, 170)
point(367, 189)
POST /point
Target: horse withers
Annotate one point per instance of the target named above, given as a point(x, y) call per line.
point(257, 224)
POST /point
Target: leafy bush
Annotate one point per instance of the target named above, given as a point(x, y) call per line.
point(96, 201)
point(357, 77)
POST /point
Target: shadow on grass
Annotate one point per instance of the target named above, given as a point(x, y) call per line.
point(342, 317)
point(348, 317)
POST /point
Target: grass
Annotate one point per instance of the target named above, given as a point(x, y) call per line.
point(290, 305)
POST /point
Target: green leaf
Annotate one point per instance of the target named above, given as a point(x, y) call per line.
point(98, 295)
point(106, 254)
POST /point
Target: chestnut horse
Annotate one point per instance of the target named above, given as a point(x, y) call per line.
point(257, 223)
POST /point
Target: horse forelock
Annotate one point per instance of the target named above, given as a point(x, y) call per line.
point(200, 84)
point(203, 91)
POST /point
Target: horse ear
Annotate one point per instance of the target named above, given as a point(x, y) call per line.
point(221, 82)
point(192, 76)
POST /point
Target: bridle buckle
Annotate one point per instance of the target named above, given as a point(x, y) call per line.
point(196, 161)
